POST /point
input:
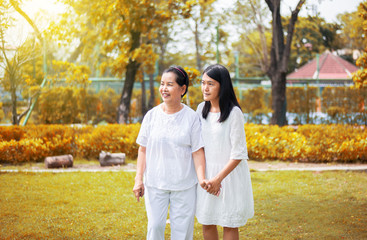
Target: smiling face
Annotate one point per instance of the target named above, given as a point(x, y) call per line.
point(170, 91)
point(210, 88)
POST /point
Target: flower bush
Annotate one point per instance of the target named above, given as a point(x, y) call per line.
point(308, 143)
point(109, 138)
point(35, 142)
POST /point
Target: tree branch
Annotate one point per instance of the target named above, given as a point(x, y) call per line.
point(29, 20)
point(290, 33)
point(257, 52)
point(20, 116)
point(270, 5)
point(278, 35)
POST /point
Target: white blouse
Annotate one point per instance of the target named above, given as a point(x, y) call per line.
point(170, 140)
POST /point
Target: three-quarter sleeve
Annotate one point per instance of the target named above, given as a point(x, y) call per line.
point(237, 135)
point(195, 136)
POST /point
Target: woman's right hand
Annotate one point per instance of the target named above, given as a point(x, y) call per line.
point(213, 186)
point(138, 189)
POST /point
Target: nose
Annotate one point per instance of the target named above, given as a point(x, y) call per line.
point(205, 86)
point(164, 87)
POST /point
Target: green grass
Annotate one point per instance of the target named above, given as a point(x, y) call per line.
point(288, 205)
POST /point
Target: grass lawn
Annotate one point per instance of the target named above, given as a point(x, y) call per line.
point(288, 205)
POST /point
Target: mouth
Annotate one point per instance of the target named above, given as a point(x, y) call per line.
point(165, 95)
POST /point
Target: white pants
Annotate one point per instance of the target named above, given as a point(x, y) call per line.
point(182, 211)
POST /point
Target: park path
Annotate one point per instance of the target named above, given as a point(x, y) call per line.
point(255, 166)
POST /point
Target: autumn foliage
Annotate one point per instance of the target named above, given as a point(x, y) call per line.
point(308, 143)
point(34, 143)
point(360, 76)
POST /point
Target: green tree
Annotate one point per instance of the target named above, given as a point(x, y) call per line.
point(79, 37)
point(126, 29)
point(14, 58)
point(352, 28)
point(254, 45)
point(201, 18)
point(312, 35)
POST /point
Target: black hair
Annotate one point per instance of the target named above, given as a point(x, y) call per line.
point(227, 97)
point(181, 76)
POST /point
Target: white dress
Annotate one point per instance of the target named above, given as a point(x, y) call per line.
point(225, 141)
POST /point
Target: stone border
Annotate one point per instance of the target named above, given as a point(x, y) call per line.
point(254, 166)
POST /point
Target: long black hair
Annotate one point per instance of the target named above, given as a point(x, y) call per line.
point(227, 97)
point(181, 76)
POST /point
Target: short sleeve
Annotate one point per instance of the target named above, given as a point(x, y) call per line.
point(237, 135)
point(195, 136)
point(143, 135)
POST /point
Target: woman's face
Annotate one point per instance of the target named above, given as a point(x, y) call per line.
point(210, 88)
point(170, 91)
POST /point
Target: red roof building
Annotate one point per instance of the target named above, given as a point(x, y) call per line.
point(332, 70)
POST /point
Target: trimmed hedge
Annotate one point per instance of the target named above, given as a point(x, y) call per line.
point(34, 143)
point(308, 143)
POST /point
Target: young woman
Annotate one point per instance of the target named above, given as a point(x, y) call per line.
point(227, 200)
point(171, 149)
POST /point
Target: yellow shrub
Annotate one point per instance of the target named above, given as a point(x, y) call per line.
point(9, 133)
point(110, 138)
point(274, 142)
point(311, 143)
point(25, 150)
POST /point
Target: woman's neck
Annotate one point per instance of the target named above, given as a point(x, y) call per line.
point(214, 106)
point(171, 108)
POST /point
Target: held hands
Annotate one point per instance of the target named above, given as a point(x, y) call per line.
point(212, 186)
point(138, 189)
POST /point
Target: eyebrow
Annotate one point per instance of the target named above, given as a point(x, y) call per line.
point(207, 80)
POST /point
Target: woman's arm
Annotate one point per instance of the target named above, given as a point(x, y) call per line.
point(140, 168)
point(199, 162)
point(215, 183)
point(238, 149)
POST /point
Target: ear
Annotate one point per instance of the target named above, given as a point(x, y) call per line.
point(183, 89)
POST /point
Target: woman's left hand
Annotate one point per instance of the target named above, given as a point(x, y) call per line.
point(204, 184)
point(213, 186)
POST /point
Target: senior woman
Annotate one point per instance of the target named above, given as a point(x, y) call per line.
point(171, 160)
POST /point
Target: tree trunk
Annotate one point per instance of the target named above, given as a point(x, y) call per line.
point(14, 106)
point(131, 70)
point(124, 107)
point(197, 45)
point(151, 102)
point(74, 56)
point(279, 57)
point(279, 100)
point(143, 98)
